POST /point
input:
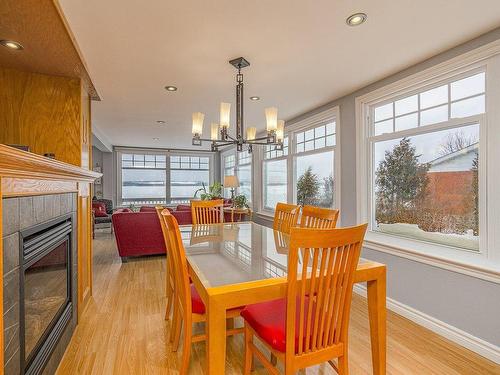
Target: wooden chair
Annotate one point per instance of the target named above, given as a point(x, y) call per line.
point(317, 217)
point(188, 305)
point(207, 212)
point(285, 217)
point(170, 281)
point(300, 330)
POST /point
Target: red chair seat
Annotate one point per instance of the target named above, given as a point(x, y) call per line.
point(196, 302)
point(197, 305)
point(268, 320)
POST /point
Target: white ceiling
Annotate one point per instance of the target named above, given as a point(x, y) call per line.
point(302, 55)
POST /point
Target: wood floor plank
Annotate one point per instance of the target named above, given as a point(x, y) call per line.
point(123, 331)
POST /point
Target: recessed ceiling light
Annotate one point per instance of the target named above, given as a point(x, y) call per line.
point(11, 44)
point(170, 88)
point(254, 98)
point(156, 139)
point(160, 121)
point(356, 19)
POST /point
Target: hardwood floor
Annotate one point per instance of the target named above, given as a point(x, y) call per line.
point(123, 331)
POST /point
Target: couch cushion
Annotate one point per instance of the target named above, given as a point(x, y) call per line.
point(99, 209)
point(183, 207)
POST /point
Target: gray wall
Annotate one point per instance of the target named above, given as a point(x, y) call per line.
point(467, 303)
point(105, 161)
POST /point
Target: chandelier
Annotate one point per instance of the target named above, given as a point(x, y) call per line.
point(219, 135)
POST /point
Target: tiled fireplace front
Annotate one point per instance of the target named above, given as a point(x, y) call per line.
point(19, 215)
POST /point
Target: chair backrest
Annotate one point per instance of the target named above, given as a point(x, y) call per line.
point(108, 203)
point(319, 307)
point(179, 266)
point(317, 217)
point(207, 212)
point(285, 217)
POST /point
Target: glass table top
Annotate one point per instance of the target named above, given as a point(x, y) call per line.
point(234, 253)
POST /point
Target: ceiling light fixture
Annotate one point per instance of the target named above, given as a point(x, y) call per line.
point(11, 44)
point(170, 88)
point(356, 19)
point(161, 122)
point(254, 98)
point(272, 137)
point(156, 139)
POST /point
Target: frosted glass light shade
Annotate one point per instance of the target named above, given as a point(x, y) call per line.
point(272, 118)
point(280, 131)
point(251, 133)
point(225, 109)
point(198, 118)
point(214, 131)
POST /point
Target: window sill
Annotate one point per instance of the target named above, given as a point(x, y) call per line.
point(461, 261)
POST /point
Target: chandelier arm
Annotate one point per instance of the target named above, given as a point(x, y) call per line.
point(260, 143)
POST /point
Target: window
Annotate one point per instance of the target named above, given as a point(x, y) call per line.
point(305, 172)
point(143, 178)
point(229, 170)
point(244, 173)
point(187, 175)
point(160, 178)
point(314, 166)
point(428, 189)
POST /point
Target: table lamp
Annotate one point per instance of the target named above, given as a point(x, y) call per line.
point(231, 182)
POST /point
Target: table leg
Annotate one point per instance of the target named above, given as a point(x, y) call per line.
point(216, 340)
point(377, 314)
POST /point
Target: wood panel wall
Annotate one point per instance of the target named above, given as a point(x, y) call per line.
point(43, 112)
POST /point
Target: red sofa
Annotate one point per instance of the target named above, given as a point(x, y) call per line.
point(139, 233)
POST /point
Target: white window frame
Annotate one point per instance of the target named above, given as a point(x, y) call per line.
point(168, 153)
point(484, 264)
point(232, 151)
point(310, 122)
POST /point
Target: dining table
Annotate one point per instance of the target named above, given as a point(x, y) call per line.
point(238, 264)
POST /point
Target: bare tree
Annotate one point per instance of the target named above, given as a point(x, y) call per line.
point(455, 142)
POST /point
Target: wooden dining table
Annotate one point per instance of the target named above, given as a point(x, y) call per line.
point(238, 264)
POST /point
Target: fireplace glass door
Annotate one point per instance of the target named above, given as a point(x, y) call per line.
point(45, 293)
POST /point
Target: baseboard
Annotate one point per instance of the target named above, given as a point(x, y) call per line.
point(462, 338)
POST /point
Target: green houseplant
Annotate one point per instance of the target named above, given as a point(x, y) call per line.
point(240, 201)
point(214, 191)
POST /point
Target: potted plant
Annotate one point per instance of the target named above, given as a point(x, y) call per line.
point(240, 201)
point(214, 191)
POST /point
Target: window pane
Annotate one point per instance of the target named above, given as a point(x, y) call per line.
point(309, 135)
point(330, 140)
point(300, 147)
point(275, 187)
point(140, 186)
point(434, 97)
point(330, 128)
point(406, 105)
point(300, 137)
point(468, 86)
point(383, 112)
point(426, 187)
point(434, 115)
point(309, 146)
point(383, 127)
point(319, 132)
point(319, 143)
point(468, 107)
point(407, 122)
point(183, 184)
point(314, 183)
point(245, 178)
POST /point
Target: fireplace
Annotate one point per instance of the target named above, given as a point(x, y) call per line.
point(46, 304)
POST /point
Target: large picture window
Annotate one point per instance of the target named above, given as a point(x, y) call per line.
point(426, 165)
point(160, 178)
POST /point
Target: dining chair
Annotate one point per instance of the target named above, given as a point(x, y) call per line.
point(207, 212)
point(170, 281)
point(188, 305)
point(285, 217)
point(318, 217)
point(310, 325)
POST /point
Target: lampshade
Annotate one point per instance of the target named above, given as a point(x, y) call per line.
point(198, 118)
point(231, 182)
point(225, 109)
point(280, 131)
point(214, 131)
point(272, 118)
point(251, 133)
